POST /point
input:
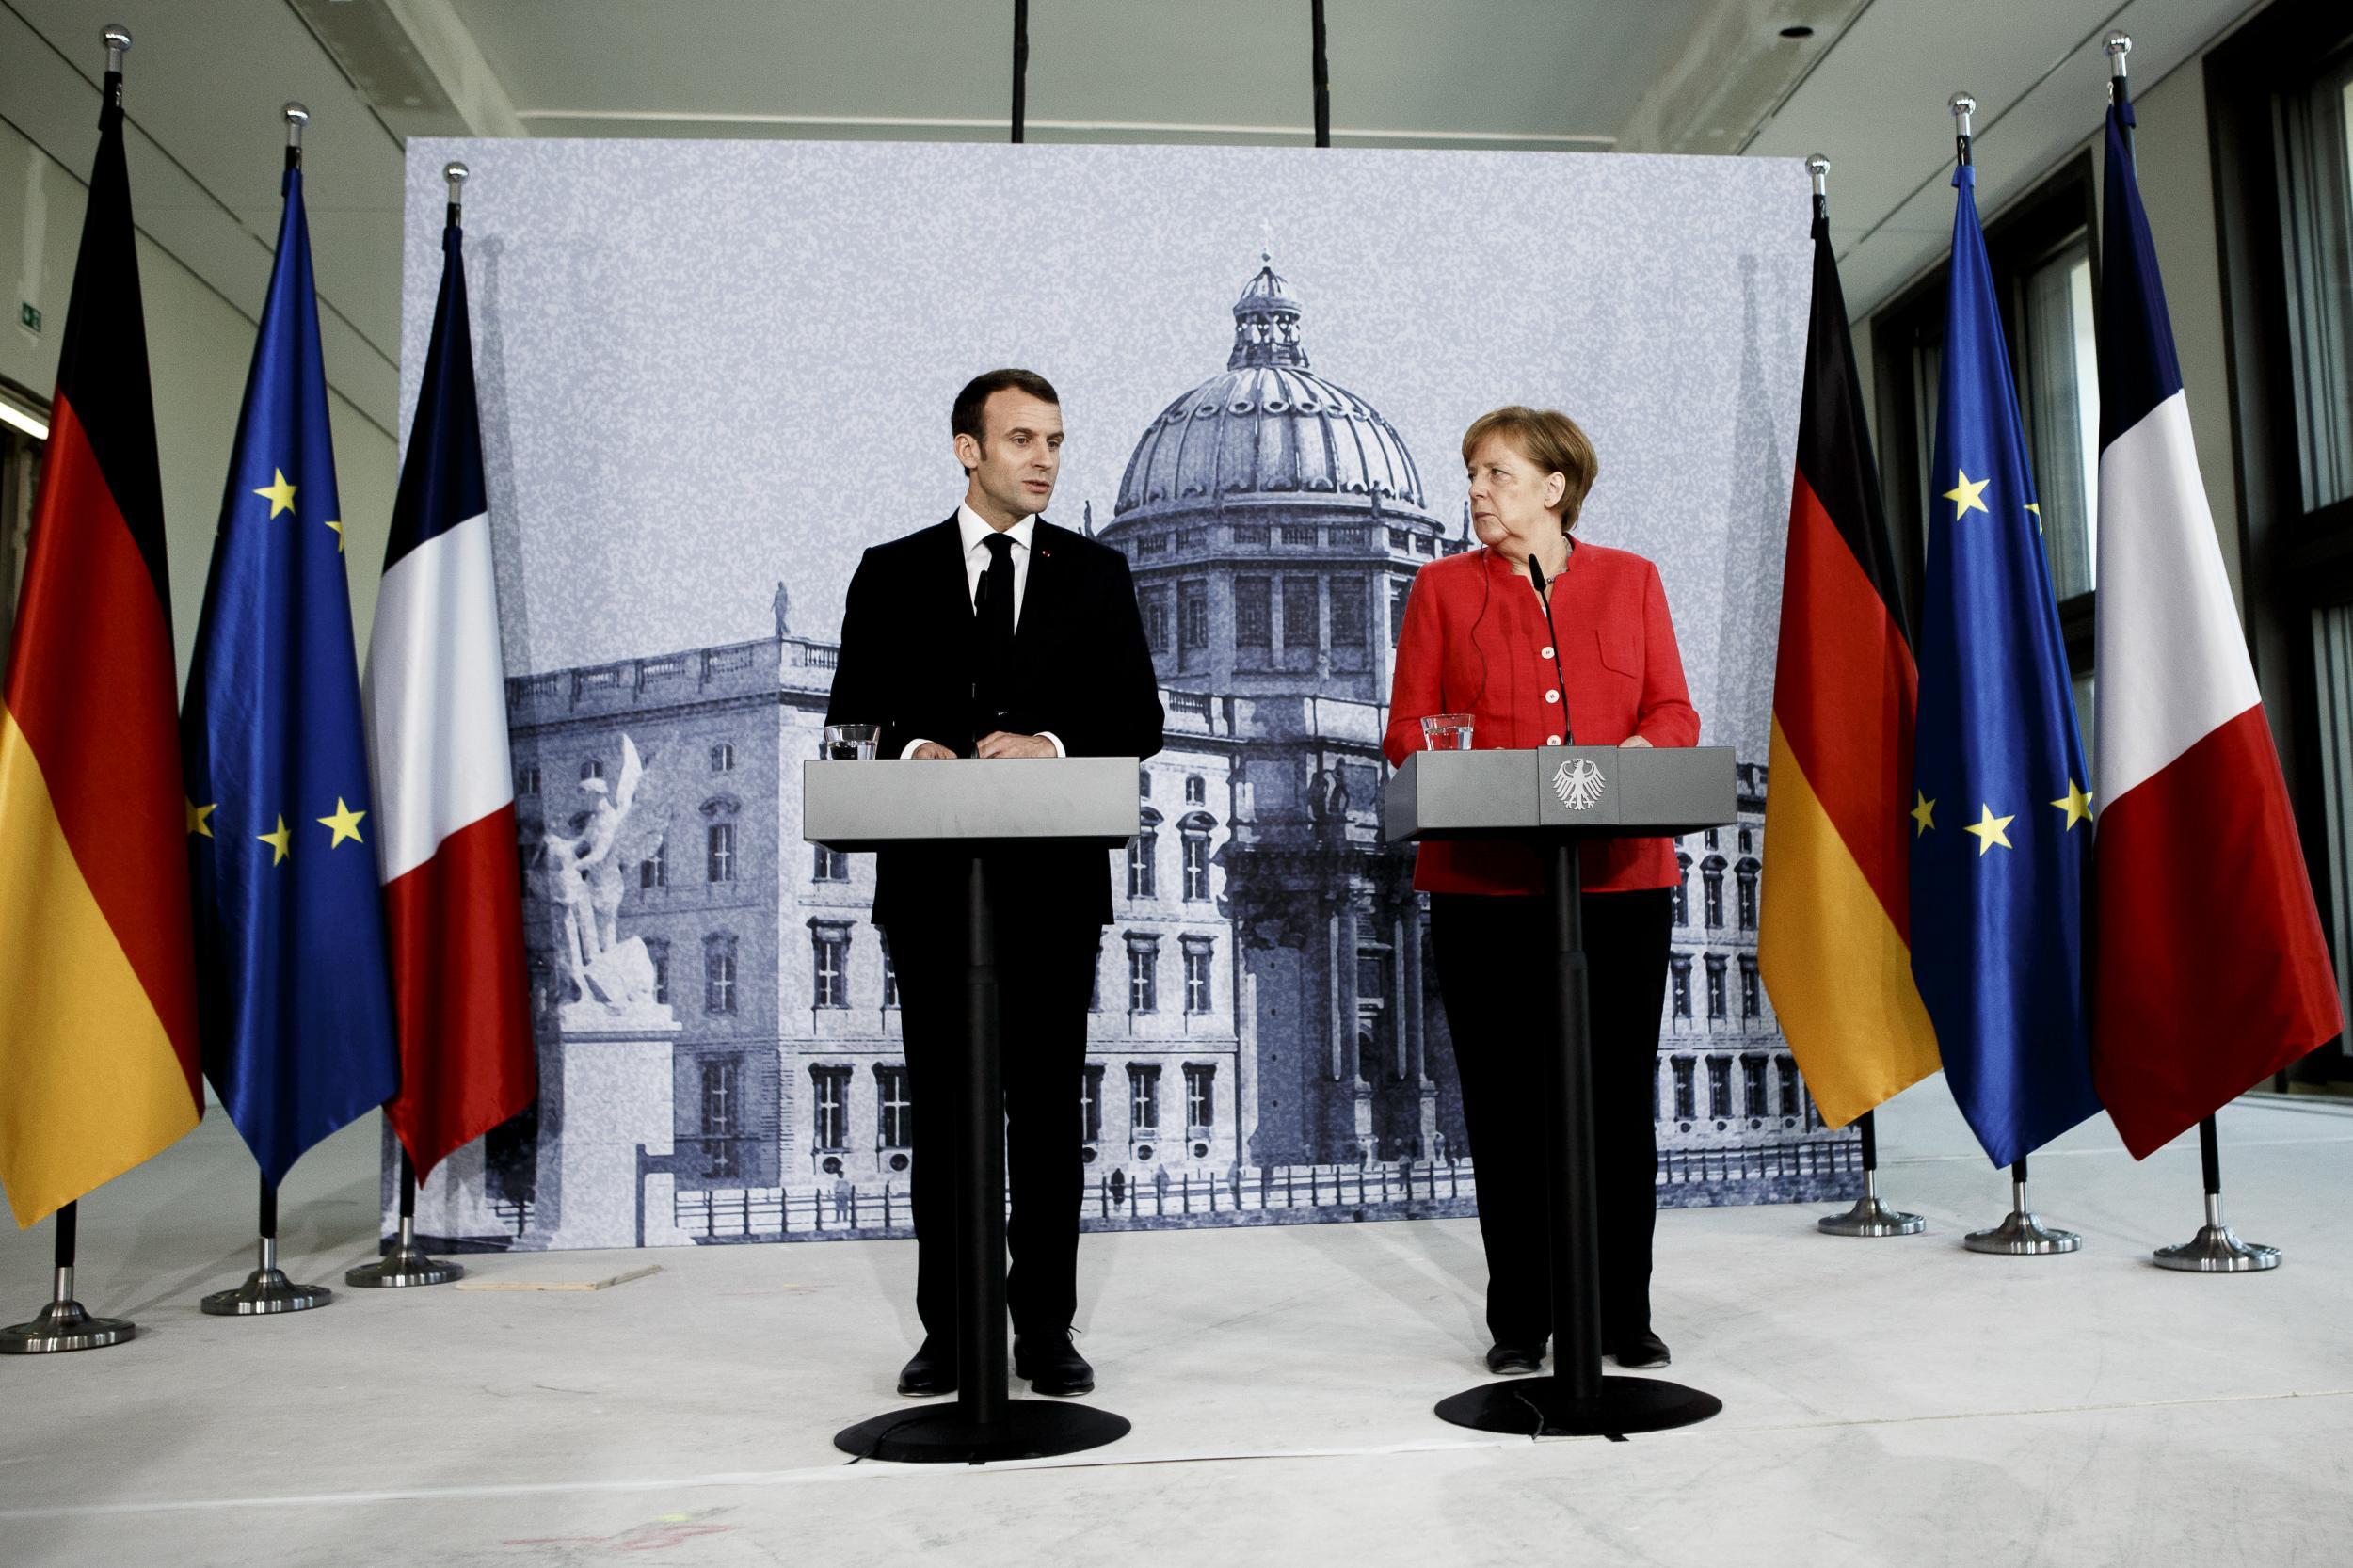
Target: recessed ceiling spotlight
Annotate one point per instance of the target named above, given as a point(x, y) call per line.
point(1796, 32)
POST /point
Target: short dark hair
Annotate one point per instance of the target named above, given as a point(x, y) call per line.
point(965, 419)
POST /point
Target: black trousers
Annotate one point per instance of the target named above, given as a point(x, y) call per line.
point(1495, 960)
point(1045, 978)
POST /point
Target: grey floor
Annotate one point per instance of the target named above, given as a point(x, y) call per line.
point(1885, 1402)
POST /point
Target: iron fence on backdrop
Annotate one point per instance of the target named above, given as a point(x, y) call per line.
point(1275, 1194)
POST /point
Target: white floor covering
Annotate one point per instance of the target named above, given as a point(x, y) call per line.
point(1887, 1403)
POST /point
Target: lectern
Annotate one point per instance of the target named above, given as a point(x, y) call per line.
point(990, 809)
point(1555, 797)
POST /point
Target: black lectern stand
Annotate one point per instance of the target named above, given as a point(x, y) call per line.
point(977, 806)
point(1556, 796)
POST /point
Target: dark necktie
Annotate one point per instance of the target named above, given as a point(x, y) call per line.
point(993, 609)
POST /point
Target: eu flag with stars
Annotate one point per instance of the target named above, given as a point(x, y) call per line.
point(296, 1008)
point(2001, 835)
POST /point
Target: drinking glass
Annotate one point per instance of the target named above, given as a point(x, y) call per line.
point(1445, 732)
point(851, 743)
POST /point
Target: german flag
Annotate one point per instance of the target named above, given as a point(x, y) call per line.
point(98, 1039)
point(1835, 944)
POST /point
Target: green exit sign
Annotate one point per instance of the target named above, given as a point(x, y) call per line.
point(28, 316)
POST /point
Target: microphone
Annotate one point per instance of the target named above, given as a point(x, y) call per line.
point(1536, 576)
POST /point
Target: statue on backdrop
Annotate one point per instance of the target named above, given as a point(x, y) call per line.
point(628, 824)
point(782, 604)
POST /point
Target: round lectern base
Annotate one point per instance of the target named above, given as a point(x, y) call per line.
point(64, 1326)
point(403, 1266)
point(265, 1292)
point(1544, 1407)
point(943, 1434)
point(2216, 1251)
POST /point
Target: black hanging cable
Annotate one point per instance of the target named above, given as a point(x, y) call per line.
point(1021, 65)
point(1322, 67)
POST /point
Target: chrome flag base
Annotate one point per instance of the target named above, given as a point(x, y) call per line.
point(64, 1325)
point(266, 1291)
point(405, 1265)
point(2215, 1249)
point(1870, 1217)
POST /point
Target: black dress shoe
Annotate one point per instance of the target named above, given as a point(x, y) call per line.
point(1511, 1361)
point(1053, 1365)
point(1641, 1350)
point(930, 1371)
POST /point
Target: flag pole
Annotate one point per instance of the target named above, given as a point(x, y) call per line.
point(65, 1324)
point(1320, 67)
point(266, 1290)
point(1020, 69)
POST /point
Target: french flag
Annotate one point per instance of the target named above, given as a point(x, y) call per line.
point(436, 696)
point(2212, 972)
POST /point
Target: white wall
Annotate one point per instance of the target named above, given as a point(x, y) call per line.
point(199, 347)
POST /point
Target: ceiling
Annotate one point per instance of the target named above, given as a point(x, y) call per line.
point(1864, 81)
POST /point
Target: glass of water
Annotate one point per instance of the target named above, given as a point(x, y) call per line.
point(851, 743)
point(1445, 732)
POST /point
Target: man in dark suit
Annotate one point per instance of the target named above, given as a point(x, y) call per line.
point(998, 635)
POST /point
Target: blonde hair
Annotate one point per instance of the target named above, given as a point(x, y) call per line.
point(1550, 440)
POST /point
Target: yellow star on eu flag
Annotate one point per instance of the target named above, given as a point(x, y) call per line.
point(279, 493)
point(1987, 828)
point(277, 842)
point(344, 824)
point(2076, 803)
point(339, 536)
point(196, 825)
point(1968, 497)
point(2036, 507)
point(1924, 813)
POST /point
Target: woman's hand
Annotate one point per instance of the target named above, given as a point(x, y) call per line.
point(1632, 740)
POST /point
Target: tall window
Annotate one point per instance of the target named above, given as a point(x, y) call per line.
point(890, 971)
point(1299, 612)
point(1153, 603)
point(1196, 789)
point(654, 870)
point(1143, 962)
point(1792, 1101)
point(1200, 1095)
point(1715, 985)
point(830, 1104)
point(1753, 1086)
point(894, 1119)
point(1197, 951)
point(1143, 1098)
point(658, 954)
point(1091, 1103)
point(1142, 850)
point(830, 946)
point(1253, 612)
point(1745, 874)
point(719, 857)
point(590, 769)
point(721, 1078)
point(1347, 613)
point(1686, 1102)
point(1192, 616)
point(1679, 970)
point(1719, 1087)
point(1400, 589)
point(1196, 846)
point(1712, 889)
point(718, 974)
point(1751, 991)
point(527, 780)
point(723, 757)
point(1683, 888)
point(832, 865)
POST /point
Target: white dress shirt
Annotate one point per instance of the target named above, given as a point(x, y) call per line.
point(975, 529)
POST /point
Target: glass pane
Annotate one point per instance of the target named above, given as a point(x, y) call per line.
point(2317, 207)
point(2333, 642)
point(1928, 364)
point(2063, 406)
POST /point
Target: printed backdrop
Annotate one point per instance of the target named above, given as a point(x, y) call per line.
point(713, 373)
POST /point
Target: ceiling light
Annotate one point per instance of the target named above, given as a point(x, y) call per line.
point(24, 416)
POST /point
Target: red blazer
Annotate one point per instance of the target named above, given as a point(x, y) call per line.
point(1476, 641)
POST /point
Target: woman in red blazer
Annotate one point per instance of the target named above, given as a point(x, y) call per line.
point(1594, 657)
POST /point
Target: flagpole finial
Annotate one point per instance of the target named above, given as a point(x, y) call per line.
point(455, 174)
point(297, 117)
point(118, 38)
point(1818, 166)
point(2117, 46)
point(1964, 107)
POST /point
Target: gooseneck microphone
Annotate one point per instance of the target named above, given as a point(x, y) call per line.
point(1552, 633)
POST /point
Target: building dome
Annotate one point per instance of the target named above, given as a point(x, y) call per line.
point(1270, 431)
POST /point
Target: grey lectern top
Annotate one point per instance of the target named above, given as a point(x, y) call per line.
point(878, 804)
point(1638, 791)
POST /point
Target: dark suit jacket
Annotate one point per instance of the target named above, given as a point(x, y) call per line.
point(1081, 668)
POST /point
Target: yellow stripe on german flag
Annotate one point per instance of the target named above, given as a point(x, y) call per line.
point(98, 1033)
point(1835, 943)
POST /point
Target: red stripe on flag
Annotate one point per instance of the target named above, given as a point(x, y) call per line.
point(95, 691)
point(466, 1056)
point(1843, 692)
point(2214, 973)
